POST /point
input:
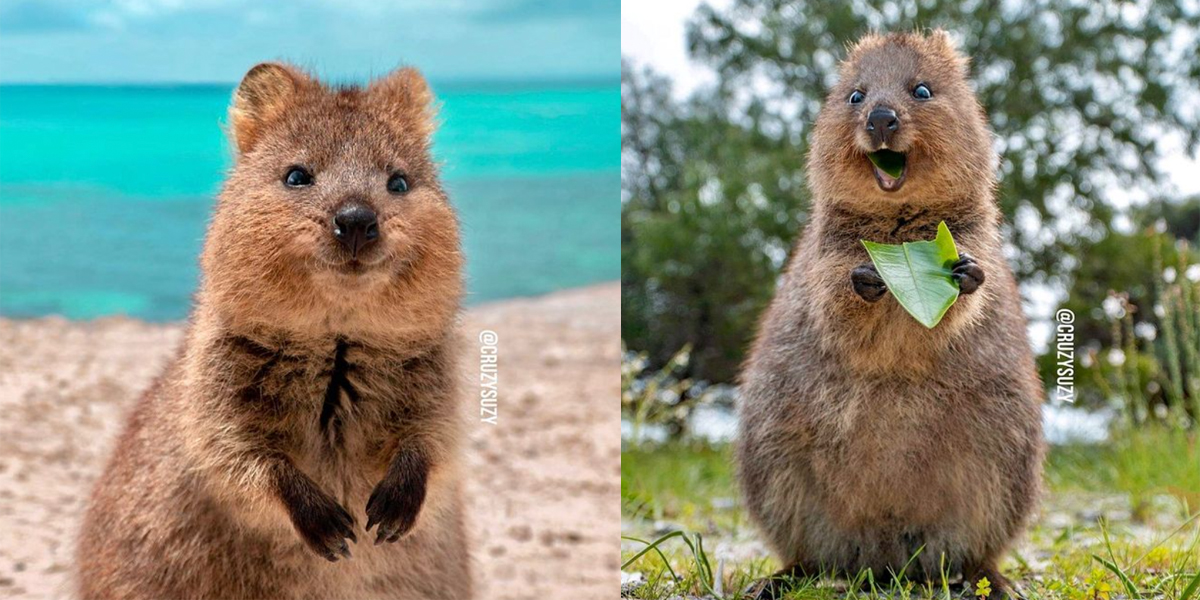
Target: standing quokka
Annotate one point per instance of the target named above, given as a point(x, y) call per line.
point(313, 408)
point(865, 438)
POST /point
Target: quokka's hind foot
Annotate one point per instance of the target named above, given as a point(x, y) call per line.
point(1001, 587)
point(775, 586)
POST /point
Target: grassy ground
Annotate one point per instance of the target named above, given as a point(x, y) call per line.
point(1115, 524)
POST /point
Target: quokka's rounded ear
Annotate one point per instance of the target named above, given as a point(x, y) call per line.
point(944, 41)
point(405, 94)
point(266, 91)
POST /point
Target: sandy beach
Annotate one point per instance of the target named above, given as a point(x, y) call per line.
point(544, 482)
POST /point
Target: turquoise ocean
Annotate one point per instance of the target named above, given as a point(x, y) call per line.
point(105, 191)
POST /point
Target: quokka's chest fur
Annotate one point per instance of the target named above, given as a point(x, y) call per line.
point(335, 401)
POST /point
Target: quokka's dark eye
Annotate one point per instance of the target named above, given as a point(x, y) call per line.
point(297, 177)
point(397, 183)
point(922, 92)
point(856, 97)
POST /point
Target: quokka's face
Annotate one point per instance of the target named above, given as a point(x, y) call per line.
point(334, 205)
point(906, 100)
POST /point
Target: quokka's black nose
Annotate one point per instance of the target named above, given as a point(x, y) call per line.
point(355, 226)
point(882, 124)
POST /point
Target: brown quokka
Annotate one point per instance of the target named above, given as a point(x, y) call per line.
point(313, 406)
point(865, 438)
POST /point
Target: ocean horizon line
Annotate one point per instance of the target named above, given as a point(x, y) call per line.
point(467, 304)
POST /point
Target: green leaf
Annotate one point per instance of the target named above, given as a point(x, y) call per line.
point(1191, 588)
point(889, 162)
point(1128, 583)
point(918, 274)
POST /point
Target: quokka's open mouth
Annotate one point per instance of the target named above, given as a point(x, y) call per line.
point(889, 167)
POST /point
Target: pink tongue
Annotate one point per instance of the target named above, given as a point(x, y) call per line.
point(887, 180)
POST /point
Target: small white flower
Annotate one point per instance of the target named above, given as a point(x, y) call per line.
point(1116, 357)
point(1146, 331)
point(1113, 307)
point(1169, 274)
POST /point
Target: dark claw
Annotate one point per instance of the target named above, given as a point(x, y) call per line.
point(867, 283)
point(370, 511)
point(968, 274)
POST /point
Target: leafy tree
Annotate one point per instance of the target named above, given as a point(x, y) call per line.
point(704, 230)
point(1085, 97)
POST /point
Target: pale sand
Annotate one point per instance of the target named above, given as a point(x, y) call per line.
point(545, 508)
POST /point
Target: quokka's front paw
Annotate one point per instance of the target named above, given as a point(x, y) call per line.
point(968, 274)
point(867, 283)
point(396, 501)
point(323, 524)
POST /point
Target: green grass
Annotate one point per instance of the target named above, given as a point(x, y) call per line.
point(1116, 523)
point(1144, 464)
point(677, 481)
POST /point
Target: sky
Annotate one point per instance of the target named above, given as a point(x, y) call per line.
point(178, 41)
point(652, 33)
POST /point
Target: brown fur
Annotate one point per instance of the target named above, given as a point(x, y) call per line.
point(307, 382)
point(865, 436)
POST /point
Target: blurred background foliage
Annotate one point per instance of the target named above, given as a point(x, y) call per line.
point(1085, 98)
